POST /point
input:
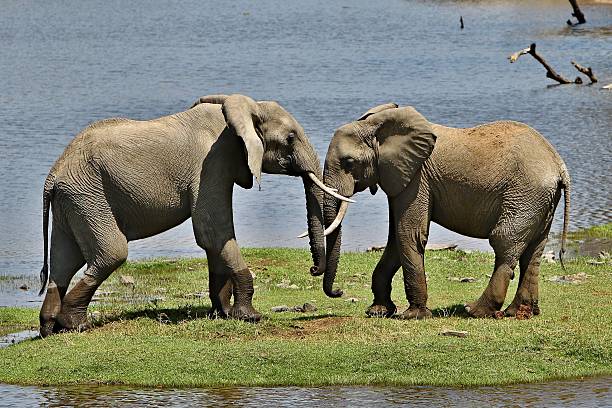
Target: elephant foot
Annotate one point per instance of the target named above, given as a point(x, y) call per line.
point(480, 309)
point(73, 319)
point(376, 310)
point(418, 313)
point(246, 313)
point(522, 308)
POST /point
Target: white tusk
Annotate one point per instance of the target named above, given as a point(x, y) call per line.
point(328, 190)
point(337, 221)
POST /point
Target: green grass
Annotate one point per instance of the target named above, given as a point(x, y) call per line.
point(598, 231)
point(153, 335)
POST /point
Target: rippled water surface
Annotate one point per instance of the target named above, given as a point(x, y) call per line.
point(64, 64)
point(595, 392)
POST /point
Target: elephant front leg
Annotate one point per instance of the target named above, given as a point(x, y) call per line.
point(231, 276)
point(415, 284)
point(220, 292)
point(382, 278)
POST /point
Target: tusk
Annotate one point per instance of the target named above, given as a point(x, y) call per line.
point(337, 221)
point(328, 190)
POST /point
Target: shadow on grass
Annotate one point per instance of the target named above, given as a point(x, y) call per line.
point(456, 310)
point(162, 315)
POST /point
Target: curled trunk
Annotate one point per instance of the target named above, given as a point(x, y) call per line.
point(333, 241)
point(314, 205)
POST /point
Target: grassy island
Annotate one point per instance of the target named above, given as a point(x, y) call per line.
point(155, 333)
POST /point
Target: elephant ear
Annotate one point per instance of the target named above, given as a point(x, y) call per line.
point(377, 109)
point(405, 140)
point(241, 115)
point(215, 99)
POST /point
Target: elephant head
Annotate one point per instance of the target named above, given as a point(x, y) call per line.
point(276, 143)
point(385, 147)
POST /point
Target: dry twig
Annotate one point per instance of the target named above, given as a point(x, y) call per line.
point(550, 72)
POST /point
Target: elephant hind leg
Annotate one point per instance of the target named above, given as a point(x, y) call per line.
point(66, 260)
point(507, 251)
point(527, 291)
point(106, 249)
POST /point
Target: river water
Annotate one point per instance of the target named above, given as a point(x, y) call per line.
point(595, 392)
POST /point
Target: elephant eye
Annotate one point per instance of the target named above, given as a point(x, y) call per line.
point(291, 137)
point(348, 163)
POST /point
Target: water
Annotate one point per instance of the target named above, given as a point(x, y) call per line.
point(65, 64)
point(595, 392)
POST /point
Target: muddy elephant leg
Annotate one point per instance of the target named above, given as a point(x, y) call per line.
point(382, 278)
point(507, 252)
point(527, 291)
point(66, 259)
point(106, 254)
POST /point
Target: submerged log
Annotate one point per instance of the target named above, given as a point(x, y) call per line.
point(586, 71)
point(550, 72)
point(576, 13)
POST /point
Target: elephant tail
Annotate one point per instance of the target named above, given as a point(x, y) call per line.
point(565, 183)
point(47, 197)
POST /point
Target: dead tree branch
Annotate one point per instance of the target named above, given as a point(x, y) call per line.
point(586, 71)
point(550, 72)
point(577, 13)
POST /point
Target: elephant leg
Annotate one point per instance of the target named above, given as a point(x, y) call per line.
point(220, 289)
point(382, 277)
point(232, 277)
point(412, 253)
point(527, 291)
point(412, 212)
point(105, 249)
point(65, 260)
point(507, 250)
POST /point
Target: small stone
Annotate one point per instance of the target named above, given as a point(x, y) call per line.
point(376, 248)
point(127, 280)
point(197, 295)
point(574, 279)
point(278, 309)
point(441, 247)
point(309, 307)
point(352, 300)
point(454, 333)
point(549, 257)
point(24, 287)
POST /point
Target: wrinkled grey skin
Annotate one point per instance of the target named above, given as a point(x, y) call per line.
point(500, 181)
point(121, 180)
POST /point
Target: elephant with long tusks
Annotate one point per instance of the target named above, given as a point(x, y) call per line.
point(121, 180)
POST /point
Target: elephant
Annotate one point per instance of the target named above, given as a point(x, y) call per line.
point(121, 180)
point(500, 180)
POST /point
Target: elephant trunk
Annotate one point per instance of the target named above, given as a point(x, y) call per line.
point(314, 214)
point(331, 207)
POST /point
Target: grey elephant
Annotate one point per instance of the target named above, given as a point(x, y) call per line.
point(121, 180)
point(500, 181)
